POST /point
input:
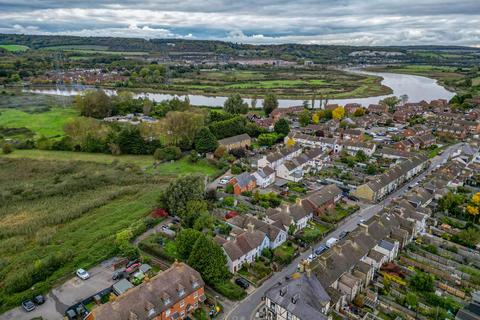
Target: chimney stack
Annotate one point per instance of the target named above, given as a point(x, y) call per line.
point(250, 227)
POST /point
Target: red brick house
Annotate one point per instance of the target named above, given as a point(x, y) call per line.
point(242, 183)
point(377, 108)
point(350, 108)
point(402, 145)
point(172, 294)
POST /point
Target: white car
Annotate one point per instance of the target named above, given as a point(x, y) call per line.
point(82, 274)
point(224, 180)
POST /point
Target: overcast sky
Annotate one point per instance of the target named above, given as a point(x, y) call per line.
point(350, 22)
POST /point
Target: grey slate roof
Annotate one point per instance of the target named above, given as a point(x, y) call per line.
point(307, 292)
point(243, 179)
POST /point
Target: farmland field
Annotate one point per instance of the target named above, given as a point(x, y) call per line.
point(14, 47)
point(57, 216)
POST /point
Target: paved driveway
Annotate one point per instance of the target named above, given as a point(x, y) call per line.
point(69, 293)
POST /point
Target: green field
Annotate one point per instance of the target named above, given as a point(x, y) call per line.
point(93, 49)
point(14, 47)
point(49, 123)
point(57, 216)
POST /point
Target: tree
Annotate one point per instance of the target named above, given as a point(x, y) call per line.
point(220, 152)
point(270, 103)
point(267, 139)
point(235, 104)
point(205, 141)
point(282, 127)
point(195, 208)
point(182, 190)
point(404, 98)
point(179, 128)
point(305, 104)
point(290, 142)
point(371, 169)
point(411, 300)
point(359, 112)
point(167, 153)
point(204, 221)
point(338, 113)
point(315, 118)
point(208, 258)
point(304, 118)
point(7, 148)
point(390, 102)
point(185, 241)
point(131, 141)
point(422, 282)
point(360, 156)
point(94, 103)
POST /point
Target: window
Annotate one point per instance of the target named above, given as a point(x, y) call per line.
point(182, 303)
point(182, 314)
point(181, 292)
point(195, 294)
point(167, 312)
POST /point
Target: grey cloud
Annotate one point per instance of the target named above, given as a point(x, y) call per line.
point(362, 22)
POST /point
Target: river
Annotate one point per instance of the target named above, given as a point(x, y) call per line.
point(416, 87)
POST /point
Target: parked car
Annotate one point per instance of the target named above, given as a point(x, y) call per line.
point(343, 234)
point(82, 274)
point(242, 283)
point(331, 242)
point(119, 274)
point(132, 262)
point(38, 300)
point(321, 249)
point(28, 305)
point(224, 180)
point(134, 267)
point(311, 257)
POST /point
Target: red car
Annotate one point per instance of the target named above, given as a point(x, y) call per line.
point(132, 268)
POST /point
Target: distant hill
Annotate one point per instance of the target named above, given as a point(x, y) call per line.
point(321, 54)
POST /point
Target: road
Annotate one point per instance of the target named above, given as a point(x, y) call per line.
point(245, 309)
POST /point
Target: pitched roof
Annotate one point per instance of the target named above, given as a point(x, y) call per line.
point(243, 179)
point(243, 244)
point(302, 296)
point(234, 139)
point(324, 195)
point(152, 294)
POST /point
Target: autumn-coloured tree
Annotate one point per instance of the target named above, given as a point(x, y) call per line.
point(338, 113)
point(315, 118)
point(290, 142)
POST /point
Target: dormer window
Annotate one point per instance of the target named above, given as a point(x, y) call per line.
point(166, 299)
point(194, 284)
point(180, 290)
point(151, 312)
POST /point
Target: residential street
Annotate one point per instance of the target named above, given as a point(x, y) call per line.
point(245, 309)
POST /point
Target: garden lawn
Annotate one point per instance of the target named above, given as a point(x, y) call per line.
point(313, 232)
point(49, 123)
point(284, 253)
point(183, 166)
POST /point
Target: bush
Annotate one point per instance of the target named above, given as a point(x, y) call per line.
point(229, 189)
point(7, 148)
point(229, 201)
point(168, 153)
point(229, 290)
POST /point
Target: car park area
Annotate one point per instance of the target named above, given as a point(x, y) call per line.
point(67, 294)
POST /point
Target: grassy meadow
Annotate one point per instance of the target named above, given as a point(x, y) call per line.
point(49, 123)
point(291, 83)
point(62, 215)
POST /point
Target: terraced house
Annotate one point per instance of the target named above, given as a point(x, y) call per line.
point(386, 183)
point(173, 294)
